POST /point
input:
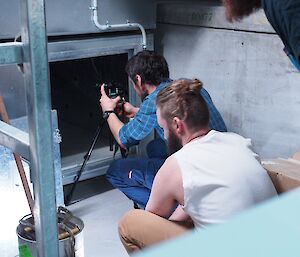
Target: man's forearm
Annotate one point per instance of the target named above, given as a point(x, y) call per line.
point(115, 125)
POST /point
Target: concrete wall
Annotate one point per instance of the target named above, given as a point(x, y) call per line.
point(243, 67)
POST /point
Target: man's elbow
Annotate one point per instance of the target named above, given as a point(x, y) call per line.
point(121, 145)
point(128, 142)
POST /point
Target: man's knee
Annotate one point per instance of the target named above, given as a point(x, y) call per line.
point(129, 220)
point(128, 228)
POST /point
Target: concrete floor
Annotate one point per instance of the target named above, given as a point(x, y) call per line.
point(100, 214)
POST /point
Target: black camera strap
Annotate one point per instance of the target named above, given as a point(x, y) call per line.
point(124, 152)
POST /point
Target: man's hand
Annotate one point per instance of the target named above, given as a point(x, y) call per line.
point(129, 110)
point(108, 104)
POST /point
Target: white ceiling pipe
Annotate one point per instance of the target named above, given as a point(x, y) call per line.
point(107, 27)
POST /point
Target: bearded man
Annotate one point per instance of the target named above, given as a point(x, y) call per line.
point(210, 176)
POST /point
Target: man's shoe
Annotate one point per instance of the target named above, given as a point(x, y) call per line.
point(135, 206)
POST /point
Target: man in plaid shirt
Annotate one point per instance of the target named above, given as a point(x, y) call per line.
point(149, 73)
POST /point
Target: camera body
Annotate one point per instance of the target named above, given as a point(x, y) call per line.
point(114, 90)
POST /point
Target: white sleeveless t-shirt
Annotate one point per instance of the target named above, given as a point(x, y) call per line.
point(221, 177)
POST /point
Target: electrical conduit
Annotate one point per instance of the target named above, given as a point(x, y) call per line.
point(107, 27)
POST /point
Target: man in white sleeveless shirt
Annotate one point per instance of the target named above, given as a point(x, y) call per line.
point(211, 175)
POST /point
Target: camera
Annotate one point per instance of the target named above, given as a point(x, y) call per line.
point(114, 90)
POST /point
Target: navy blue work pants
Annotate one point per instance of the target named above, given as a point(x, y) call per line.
point(134, 176)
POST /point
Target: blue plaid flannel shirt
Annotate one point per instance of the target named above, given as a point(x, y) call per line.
point(145, 120)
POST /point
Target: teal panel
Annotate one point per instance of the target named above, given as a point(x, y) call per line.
point(271, 229)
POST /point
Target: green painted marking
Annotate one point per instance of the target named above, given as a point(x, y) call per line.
point(201, 17)
point(24, 251)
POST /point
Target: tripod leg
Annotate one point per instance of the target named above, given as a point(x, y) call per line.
point(86, 158)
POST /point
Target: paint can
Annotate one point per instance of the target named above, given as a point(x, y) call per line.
point(70, 235)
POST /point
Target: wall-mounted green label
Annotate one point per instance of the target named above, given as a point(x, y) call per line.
point(24, 251)
point(201, 17)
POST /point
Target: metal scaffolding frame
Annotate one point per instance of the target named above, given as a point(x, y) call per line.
point(32, 54)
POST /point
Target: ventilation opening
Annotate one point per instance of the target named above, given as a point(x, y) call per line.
point(75, 95)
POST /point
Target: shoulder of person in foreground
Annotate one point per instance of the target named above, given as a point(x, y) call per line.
point(166, 190)
point(243, 141)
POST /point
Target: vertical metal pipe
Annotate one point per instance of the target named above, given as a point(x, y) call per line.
point(37, 83)
point(116, 27)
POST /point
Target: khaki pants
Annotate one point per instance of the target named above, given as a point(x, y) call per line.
point(139, 229)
